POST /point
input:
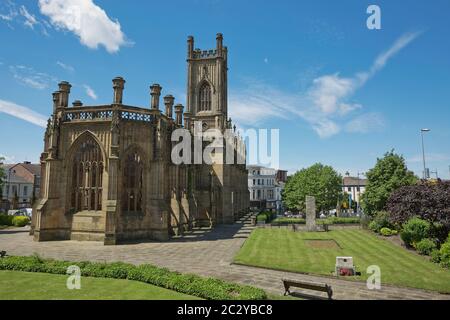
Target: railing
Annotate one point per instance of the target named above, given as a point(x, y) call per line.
point(136, 116)
point(88, 115)
point(106, 113)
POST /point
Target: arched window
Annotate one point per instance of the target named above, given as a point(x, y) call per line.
point(205, 97)
point(133, 182)
point(87, 174)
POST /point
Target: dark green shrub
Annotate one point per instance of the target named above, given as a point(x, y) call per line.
point(20, 221)
point(6, 220)
point(207, 288)
point(414, 231)
point(426, 246)
point(444, 253)
point(261, 218)
point(380, 221)
point(266, 217)
point(374, 226)
point(436, 256)
point(387, 232)
point(439, 232)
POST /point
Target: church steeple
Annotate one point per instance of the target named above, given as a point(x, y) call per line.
point(207, 85)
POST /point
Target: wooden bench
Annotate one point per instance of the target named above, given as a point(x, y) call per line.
point(322, 287)
point(2, 254)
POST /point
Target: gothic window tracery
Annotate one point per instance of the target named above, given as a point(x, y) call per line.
point(87, 177)
point(205, 97)
point(133, 183)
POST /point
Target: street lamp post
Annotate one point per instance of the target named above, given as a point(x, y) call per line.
point(423, 154)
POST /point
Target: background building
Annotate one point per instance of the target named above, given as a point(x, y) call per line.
point(355, 187)
point(266, 186)
point(22, 185)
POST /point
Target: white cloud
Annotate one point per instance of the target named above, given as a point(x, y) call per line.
point(325, 128)
point(322, 104)
point(66, 67)
point(11, 14)
point(32, 78)
point(8, 12)
point(383, 58)
point(365, 123)
point(23, 113)
point(328, 92)
point(8, 159)
point(30, 19)
point(90, 92)
point(87, 20)
point(7, 17)
point(331, 92)
point(257, 103)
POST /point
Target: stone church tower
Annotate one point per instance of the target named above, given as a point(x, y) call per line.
point(225, 191)
point(207, 95)
point(107, 172)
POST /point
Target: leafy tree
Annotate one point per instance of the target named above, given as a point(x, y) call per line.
point(320, 181)
point(389, 174)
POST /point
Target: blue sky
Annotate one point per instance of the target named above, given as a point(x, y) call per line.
point(339, 93)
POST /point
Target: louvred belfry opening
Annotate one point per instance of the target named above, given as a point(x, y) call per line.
point(205, 97)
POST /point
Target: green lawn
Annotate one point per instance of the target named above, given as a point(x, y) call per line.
point(285, 250)
point(16, 285)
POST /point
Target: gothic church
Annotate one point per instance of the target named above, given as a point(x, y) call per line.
point(107, 173)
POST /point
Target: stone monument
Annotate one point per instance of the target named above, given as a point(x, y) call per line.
point(311, 214)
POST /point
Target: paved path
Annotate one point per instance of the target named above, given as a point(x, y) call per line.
point(203, 252)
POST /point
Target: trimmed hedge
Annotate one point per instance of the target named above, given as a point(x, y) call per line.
point(207, 288)
point(332, 220)
point(266, 217)
point(6, 220)
point(17, 221)
point(289, 221)
point(340, 220)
